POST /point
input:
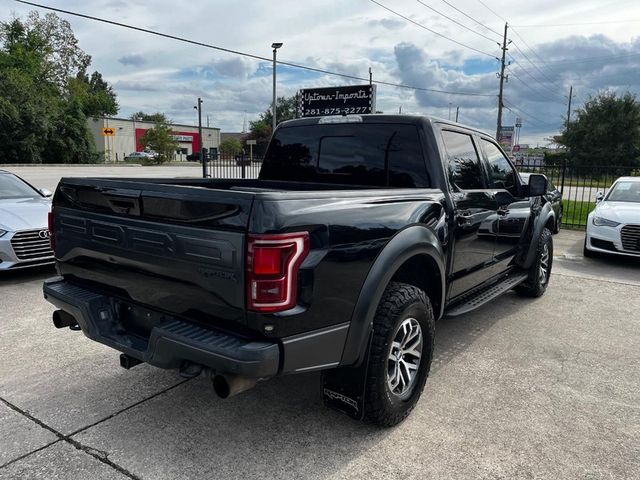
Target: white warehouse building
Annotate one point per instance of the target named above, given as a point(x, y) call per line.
point(118, 137)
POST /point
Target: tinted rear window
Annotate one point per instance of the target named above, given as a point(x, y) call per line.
point(354, 154)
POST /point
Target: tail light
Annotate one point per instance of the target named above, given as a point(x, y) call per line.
point(51, 228)
point(273, 263)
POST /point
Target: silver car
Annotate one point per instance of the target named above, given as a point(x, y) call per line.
point(24, 236)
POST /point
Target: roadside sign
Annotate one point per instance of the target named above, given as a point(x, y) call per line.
point(251, 142)
point(108, 132)
point(350, 99)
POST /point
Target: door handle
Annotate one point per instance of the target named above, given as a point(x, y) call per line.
point(464, 218)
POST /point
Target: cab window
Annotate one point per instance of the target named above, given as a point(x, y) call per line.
point(463, 163)
point(501, 174)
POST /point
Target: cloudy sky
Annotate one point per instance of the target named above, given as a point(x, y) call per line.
point(591, 44)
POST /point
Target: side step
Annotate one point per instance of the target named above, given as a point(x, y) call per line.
point(479, 297)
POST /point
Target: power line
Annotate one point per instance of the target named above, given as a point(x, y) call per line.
point(489, 8)
point(578, 24)
point(249, 55)
point(428, 29)
point(471, 18)
point(545, 87)
point(526, 114)
point(590, 59)
point(534, 65)
point(542, 94)
point(455, 21)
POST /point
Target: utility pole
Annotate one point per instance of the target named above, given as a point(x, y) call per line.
point(449, 110)
point(502, 77)
point(275, 46)
point(204, 164)
point(370, 77)
point(457, 112)
point(207, 121)
point(569, 107)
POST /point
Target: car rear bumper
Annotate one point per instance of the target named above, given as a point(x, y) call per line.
point(171, 341)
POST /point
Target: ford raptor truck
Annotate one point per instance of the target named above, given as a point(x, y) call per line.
point(359, 233)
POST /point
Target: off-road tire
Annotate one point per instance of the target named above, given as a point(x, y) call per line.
point(535, 285)
point(399, 302)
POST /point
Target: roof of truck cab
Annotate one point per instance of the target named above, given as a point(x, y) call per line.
point(383, 118)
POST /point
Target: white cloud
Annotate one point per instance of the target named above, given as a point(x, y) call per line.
point(154, 73)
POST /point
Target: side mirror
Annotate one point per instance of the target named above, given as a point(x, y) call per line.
point(537, 185)
point(599, 197)
point(45, 191)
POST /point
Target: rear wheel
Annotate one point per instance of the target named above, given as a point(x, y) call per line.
point(540, 271)
point(400, 354)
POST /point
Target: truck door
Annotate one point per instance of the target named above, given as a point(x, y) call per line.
point(475, 213)
point(513, 212)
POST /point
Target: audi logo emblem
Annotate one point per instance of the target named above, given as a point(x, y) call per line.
point(44, 234)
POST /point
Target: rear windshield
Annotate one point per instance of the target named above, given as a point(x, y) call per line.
point(352, 154)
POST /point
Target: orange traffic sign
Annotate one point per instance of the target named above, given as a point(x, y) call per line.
point(108, 132)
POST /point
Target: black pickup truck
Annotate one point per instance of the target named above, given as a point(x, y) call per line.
point(360, 233)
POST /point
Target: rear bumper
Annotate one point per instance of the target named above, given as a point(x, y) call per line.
point(171, 343)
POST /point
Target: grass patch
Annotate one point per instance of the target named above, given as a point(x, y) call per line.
point(575, 213)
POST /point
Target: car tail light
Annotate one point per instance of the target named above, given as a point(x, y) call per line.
point(273, 263)
point(51, 228)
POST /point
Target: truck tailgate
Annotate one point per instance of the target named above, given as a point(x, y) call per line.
point(177, 248)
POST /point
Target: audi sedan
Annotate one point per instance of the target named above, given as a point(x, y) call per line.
point(24, 236)
point(614, 225)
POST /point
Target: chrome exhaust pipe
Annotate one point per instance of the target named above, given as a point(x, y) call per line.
point(227, 386)
point(62, 319)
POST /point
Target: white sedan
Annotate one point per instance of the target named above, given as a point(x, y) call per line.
point(614, 225)
point(24, 235)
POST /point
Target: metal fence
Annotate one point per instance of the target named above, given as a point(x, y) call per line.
point(235, 166)
point(578, 185)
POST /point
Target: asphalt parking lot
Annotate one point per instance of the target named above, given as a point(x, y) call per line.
point(522, 388)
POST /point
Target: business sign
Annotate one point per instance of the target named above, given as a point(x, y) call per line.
point(505, 137)
point(108, 132)
point(351, 99)
point(183, 138)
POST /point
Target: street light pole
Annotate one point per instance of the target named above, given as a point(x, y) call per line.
point(275, 46)
point(204, 164)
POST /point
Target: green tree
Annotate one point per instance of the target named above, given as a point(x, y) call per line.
point(260, 130)
point(95, 95)
point(45, 95)
point(161, 140)
point(606, 131)
point(149, 117)
point(230, 146)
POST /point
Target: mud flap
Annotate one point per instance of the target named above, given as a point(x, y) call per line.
point(343, 388)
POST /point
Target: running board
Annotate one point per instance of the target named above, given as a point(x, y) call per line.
point(479, 297)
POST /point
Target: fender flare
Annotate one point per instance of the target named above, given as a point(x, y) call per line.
point(540, 222)
point(412, 241)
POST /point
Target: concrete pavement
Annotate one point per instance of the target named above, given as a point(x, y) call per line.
point(522, 388)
